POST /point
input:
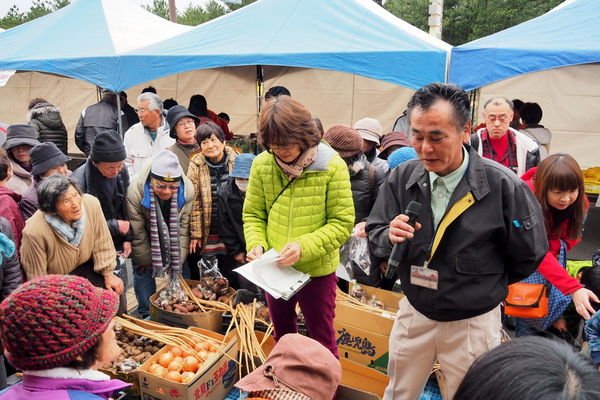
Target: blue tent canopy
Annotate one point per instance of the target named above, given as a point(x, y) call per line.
point(84, 39)
point(567, 35)
point(354, 36)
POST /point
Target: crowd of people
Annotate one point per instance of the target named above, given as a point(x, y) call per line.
point(166, 190)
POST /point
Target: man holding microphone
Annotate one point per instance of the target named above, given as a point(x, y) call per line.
point(478, 230)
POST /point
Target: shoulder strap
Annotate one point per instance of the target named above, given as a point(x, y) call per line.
point(371, 177)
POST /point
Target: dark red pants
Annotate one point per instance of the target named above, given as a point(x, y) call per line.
point(317, 302)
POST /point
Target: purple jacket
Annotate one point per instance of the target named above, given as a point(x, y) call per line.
point(38, 388)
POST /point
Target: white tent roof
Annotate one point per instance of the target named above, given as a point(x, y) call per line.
point(354, 36)
point(83, 41)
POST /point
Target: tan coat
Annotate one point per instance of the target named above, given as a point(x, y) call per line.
point(44, 251)
point(139, 217)
point(202, 211)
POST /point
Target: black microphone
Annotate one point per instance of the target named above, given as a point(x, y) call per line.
point(412, 211)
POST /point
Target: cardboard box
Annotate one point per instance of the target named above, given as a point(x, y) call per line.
point(366, 379)
point(213, 382)
point(211, 320)
point(363, 336)
point(132, 392)
point(363, 347)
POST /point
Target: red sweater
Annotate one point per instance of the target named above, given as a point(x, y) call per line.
point(550, 267)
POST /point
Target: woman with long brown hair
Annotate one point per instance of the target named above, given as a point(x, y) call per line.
point(558, 186)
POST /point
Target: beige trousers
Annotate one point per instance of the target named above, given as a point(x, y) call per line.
point(416, 342)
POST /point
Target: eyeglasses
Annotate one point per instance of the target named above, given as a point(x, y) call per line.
point(140, 111)
point(502, 119)
point(275, 147)
point(185, 123)
point(165, 187)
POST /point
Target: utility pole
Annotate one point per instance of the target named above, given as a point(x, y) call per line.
point(172, 11)
point(436, 9)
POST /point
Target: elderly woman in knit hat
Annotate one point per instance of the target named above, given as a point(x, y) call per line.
point(46, 159)
point(159, 202)
point(68, 235)
point(183, 126)
point(58, 330)
point(365, 178)
point(299, 203)
point(20, 139)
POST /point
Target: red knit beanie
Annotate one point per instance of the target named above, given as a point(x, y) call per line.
point(51, 320)
point(344, 139)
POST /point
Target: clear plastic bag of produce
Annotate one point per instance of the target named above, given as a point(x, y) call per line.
point(213, 286)
point(354, 253)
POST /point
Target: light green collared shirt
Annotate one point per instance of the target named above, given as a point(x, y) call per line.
point(442, 188)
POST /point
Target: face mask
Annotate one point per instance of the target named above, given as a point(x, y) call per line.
point(356, 167)
point(242, 184)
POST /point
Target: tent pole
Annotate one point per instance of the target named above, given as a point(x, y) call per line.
point(259, 93)
point(119, 127)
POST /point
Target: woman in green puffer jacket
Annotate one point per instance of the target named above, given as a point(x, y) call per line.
point(299, 202)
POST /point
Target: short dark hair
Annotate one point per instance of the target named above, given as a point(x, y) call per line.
point(531, 113)
point(224, 116)
point(277, 91)
point(150, 89)
point(206, 130)
point(531, 368)
point(198, 105)
point(88, 358)
point(4, 164)
point(168, 103)
point(285, 122)
point(517, 104)
point(51, 188)
point(428, 95)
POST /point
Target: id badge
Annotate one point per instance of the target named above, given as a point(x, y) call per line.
point(424, 277)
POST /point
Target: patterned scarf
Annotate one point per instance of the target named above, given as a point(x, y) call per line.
point(71, 233)
point(294, 169)
point(169, 235)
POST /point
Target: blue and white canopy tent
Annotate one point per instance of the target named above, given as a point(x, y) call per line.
point(354, 36)
point(552, 60)
point(566, 35)
point(84, 40)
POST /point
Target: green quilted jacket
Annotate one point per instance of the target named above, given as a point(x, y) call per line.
point(316, 210)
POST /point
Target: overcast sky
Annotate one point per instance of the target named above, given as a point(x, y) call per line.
point(25, 5)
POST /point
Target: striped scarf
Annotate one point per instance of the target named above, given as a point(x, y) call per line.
point(169, 235)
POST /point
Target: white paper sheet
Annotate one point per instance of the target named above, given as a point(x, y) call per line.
point(275, 279)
